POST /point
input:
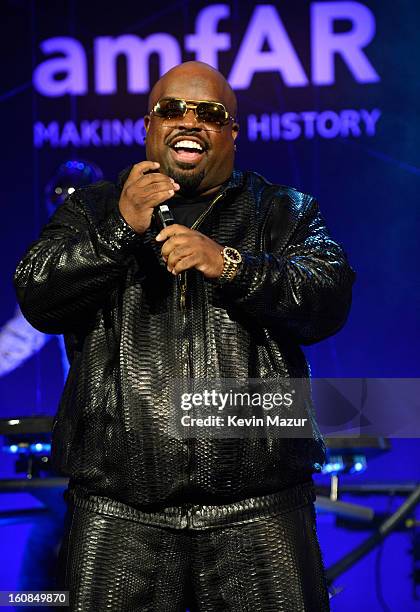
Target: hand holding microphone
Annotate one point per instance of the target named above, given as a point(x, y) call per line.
point(144, 190)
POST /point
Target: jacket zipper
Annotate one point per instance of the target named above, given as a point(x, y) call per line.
point(182, 278)
point(182, 282)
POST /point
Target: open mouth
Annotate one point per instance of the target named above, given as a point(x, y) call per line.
point(187, 150)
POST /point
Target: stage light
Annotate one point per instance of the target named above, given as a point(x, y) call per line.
point(29, 440)
point(67, 178)
point(334, 465)
point(24, 448)
point(40, 447)
point(359, 464)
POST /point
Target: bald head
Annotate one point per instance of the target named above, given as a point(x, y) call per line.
point(204, 160)
point(198, 75)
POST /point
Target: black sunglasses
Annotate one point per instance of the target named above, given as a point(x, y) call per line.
point(205, 110)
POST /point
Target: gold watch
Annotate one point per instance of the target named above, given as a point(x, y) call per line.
point(232, 259)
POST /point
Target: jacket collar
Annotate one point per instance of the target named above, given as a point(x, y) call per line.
point(235, 181)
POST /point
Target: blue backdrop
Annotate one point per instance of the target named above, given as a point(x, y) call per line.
point(328, 102)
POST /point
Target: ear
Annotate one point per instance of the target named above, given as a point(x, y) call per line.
point(146, 122)
point(235, 130)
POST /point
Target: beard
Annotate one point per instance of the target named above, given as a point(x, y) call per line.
point(189, 182)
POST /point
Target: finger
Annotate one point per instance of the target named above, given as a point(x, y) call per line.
point(155, 186)
point(158, 198)
point(176, 254)
point(177, 240)
point(150, 183)
point(186, 263)
point(141, 168)
point(150, 199)
point(153, 177)
point(171, 230)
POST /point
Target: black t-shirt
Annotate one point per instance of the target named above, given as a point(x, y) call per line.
point(186, 211)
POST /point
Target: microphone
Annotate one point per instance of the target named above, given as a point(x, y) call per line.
point(163, 216)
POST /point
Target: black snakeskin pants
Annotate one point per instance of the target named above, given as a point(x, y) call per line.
point(257, 555)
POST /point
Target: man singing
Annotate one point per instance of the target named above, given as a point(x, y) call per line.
point(245, 275)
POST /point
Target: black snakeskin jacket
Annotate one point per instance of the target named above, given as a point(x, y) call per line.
point(129, 333)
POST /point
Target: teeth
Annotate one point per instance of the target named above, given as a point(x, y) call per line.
point(188, 144)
